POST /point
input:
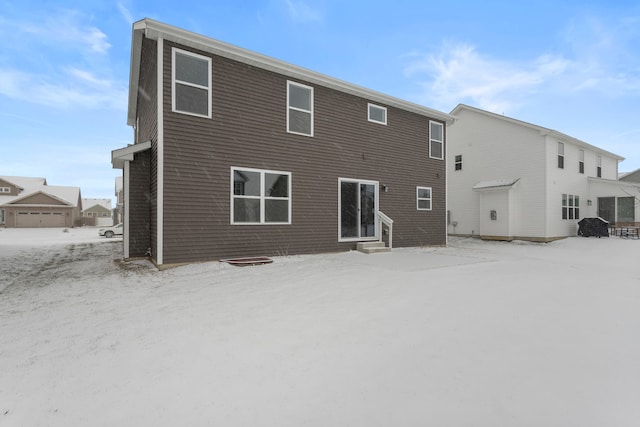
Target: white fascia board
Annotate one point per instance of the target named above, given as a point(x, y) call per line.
point(119, 156)
point(154, 30)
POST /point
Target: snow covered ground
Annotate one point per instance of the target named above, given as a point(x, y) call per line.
point(476, 334)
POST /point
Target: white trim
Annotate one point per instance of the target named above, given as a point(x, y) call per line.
point(155, 30)
point(431, 140)
point(262, 197)
point(289, 107)
point(378, 107)
point(208, 88)
point(418, 198)
point(375, 210)
point(159, 255)
point(127, 190)
point(122, 155)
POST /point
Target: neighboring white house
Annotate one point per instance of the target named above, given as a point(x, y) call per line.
point(508, 179)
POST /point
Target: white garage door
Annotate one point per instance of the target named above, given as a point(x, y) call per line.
point(40, 219)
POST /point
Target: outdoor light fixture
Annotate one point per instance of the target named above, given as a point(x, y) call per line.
point(385, 188)
point(588, 202)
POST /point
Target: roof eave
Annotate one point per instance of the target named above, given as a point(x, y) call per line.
point(154, 29)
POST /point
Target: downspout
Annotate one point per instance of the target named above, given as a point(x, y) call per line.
point(160, 156)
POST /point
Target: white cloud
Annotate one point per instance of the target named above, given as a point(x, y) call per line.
point(80, 89)
point(598, 56)
point(458, 73)
point(59, 30)
point(126, 14)
point(302, 12)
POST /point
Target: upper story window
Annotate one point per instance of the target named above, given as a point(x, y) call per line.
point(599, 166)
point(581, 161)
point(5, 190)
point(436, 140)
point(299, 109)
point(260, 196)
point(560, 155)
point(458, 162)
point(423, 198)
point(191, 81)
point(377, 114)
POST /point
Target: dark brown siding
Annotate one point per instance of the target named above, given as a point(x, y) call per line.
point(142, 173)
point(248, 129)
point(13, 190)
point(139, 205)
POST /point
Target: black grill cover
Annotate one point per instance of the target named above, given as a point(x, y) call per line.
point(588, 227)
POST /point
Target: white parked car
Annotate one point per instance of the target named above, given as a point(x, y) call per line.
point(116, 230)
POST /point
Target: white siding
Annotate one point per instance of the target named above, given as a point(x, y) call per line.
point(494, 149)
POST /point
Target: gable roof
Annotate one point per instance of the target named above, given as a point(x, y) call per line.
point(155, 30)
point(542, 130)
point(29, 187)
point(90, 203)
point(633, 176)
point(24, 182)
point(497, 183)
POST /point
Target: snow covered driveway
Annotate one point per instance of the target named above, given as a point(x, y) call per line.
point(476, 334)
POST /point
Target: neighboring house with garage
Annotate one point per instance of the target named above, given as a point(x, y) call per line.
point(97, 212)
point(30, 202)
point(239, 154)
point(508, 179)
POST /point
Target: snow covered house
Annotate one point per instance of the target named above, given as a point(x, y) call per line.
point(239, 154)
point(97, 211)
point(27, 202)
point(508, 179)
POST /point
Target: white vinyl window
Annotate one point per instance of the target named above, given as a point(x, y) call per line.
point(5, 190)
point(1, 216)
point(436, 140)
point(191, 83)
point(260, 196)
point(570, 206)
point(599, 167)
point(458, 162)
point(299, 109)
point(581, 161)
point(560, 155)
point(377, 114)
point(423, 198)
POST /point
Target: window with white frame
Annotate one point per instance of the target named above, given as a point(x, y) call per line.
point(377, 114)
point(5, 190)
point(560, 155)
point(191, 82)
point(436, 140)
point(299, 109)
point(423, 198)
point(599, 167)
point(570, 206)
point(1, 216)
point(581, 161)
point(458, 162)
point(260, 196)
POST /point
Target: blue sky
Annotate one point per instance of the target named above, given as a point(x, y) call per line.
point(573, 66)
